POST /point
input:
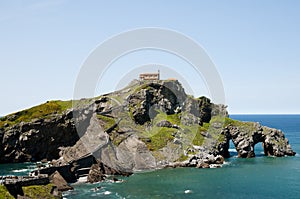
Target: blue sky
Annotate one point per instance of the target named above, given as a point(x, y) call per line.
point(255, 46)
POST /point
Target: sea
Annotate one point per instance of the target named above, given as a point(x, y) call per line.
point(260, 177)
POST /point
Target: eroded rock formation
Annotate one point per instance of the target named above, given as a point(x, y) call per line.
point(147, 125)
point(245, 136)
point(37, 140)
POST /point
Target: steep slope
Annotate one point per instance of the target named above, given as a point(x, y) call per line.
point(146, 125)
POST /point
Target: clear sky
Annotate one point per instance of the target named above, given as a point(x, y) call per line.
point(255, 46)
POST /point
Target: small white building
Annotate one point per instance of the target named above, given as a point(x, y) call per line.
point(150, 76)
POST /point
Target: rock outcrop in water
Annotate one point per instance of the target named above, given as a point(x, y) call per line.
point(245, 135)
point(147, 125)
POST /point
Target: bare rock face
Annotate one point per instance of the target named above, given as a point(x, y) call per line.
point(135, 151)
point(170, 98)
point(60, 182)
point(99, 172)
point(145, 126)
point(167, 97)
point(130, 156)
point(95, 174)
point(38, 139)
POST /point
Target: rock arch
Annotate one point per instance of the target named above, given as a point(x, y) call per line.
point(245, 137)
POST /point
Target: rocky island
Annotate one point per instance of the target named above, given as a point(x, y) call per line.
point(150, 124)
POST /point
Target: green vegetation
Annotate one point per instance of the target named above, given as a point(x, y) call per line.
point(4, 194)
point(34, 192)
point(36, 112)
point(39, 191)
point(108, 121)
point(182, 158)
point(82, 103)
point(128, 122)
point(174, 118)
point(143, 86)
point(221, 138)
point(43, 111)
point(160, 137)
point(248, 127)
point(198, 139)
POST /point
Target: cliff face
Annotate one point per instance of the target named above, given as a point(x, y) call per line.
point(146, 125)
point(38, 139)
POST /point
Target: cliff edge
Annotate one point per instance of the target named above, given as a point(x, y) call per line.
point(146, 125)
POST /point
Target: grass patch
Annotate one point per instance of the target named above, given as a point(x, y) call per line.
point(221, 138)
point(108, 121)
point(182, 158)
point(173, 118)
point(37, 112)
point(192, 135)
point(143, 86)
point(198, 139)
point(248, 127)
point(40, 191)
point(83, 103)
point(4, 194)
point(160, 137)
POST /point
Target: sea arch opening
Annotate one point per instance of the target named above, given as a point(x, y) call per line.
point(258, 149)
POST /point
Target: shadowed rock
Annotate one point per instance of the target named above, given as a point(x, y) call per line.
point(147, 125)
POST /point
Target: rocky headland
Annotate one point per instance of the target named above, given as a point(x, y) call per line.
point(147, 125)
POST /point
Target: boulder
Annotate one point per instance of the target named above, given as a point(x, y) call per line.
point(60, 182)
point(95, 174)
point(202, 165)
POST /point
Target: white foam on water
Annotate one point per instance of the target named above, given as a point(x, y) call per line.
point(226, 163)
point(188, 191)
point(214, 166)
point(107, 193)
point(82, 179)
point(20, 170)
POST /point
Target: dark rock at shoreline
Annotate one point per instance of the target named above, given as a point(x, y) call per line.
point(95, 174)
point(145, 126)
point(59, 182)
point(34, 141)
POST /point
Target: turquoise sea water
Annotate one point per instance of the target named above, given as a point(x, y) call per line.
point(16, 169)
point(260, 177)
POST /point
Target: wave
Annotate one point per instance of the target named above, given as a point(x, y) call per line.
point(226, 163)
point(188, 191)
point(107, 193)
point(232, 150)
point(21, 170)
point(82, 179)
